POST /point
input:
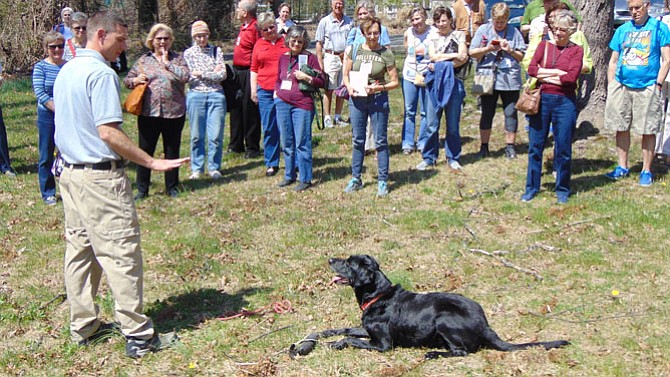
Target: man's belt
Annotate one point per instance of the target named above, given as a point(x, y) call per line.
point(107, 165)
point(338, 53)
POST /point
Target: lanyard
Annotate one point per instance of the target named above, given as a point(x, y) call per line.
point(291, 65)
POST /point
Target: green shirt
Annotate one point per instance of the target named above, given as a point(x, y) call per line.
point(379, 61)
point(536, 8)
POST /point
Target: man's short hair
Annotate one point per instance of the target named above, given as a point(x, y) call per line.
point(105, 20)
point(249, 6)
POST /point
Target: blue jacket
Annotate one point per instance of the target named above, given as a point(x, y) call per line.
point(440, 82)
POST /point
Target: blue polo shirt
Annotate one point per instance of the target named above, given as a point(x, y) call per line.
point(86, 94)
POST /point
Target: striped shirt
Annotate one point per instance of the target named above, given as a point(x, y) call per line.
point(44, 76)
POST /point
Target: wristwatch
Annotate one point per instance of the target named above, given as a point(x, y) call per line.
point(659, 84)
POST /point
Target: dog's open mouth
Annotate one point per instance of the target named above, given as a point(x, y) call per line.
point(339, 279)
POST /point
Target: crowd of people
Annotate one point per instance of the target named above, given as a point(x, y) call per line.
point(79, 112)
point(548, 48)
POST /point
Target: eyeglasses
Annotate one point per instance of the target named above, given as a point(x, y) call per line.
point(635, 7)
point(269, 28)
point(296, 41)
point(162, 38)
point(53, 47)
point(79, 28)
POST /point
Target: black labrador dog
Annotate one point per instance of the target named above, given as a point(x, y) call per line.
point(394, 317)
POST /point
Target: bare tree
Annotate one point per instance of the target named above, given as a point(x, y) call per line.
point(598, 17)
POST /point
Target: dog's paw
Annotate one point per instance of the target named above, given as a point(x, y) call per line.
point(437, 354)
point(432, 355)
point(302, 348)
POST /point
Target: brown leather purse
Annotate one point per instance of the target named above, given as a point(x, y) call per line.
point(135, 99)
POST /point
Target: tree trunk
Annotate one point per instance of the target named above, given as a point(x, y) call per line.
point(597, 25)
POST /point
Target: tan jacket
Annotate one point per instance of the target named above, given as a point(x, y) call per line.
point(477, 16)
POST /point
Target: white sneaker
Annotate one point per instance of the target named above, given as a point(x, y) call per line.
point(194, 175)
point(327, 122)
point(340, 122)
point(423, 165)
point(454, 165)
point(215, 174)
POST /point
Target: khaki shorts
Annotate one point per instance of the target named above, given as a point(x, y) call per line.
point(333, 68)
point(639, 110)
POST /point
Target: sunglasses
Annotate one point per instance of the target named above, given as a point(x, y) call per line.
point(162, 38)
point(269, 28)
point(296, 42)
point(53, 47)
point(79, 28)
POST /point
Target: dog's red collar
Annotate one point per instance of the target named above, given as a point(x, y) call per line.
point(366, 305)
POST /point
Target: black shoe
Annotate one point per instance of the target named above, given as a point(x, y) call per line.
point(105, 331)
point(252, 154)
point(302, 186)
point(483, 152)
point(286, 182)
point(136, 348)
point(141, 195)
point(272, 171)
point(172, 193)
point(233, 150)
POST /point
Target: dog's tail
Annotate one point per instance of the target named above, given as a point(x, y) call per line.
point(495, 342)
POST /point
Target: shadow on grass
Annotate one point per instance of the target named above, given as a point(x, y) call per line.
point(194, 307)
point(410, 177)
point(581, 182)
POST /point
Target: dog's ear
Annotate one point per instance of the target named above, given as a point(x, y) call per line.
point(370, 262)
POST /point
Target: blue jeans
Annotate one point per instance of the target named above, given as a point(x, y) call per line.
point(452, 143)
point(207, 116)
point(266, 106)
point(295, 126)
point(413, 96)
point(375, 106)
point(45, 141)
point(5, 162)
point(561, 112)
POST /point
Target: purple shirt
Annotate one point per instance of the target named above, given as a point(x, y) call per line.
point(294, 96)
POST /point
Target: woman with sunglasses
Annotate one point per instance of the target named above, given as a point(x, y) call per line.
point(295, 108)
point(44, 76)
point(79, 21)
point(163, 106)
point(264, 60)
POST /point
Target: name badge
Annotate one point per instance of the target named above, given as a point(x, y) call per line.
point(286, 84)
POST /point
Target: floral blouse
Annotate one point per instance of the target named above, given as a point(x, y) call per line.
point(203, 60)
point(165, 96)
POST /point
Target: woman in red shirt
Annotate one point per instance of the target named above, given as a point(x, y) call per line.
point(264, 60)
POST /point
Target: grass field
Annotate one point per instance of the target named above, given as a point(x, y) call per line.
point(594, 271)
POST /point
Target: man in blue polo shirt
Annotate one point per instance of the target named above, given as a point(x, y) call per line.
point(635, 76)
point(102, 230)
